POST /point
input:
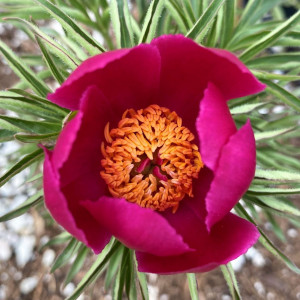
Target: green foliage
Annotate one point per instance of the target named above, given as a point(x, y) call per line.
point(193, 286)
point(229, 276)
point(263, 37)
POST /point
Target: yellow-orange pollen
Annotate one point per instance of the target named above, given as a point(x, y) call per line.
point(149, 159)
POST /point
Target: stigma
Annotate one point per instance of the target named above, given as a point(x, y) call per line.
point(149, 159)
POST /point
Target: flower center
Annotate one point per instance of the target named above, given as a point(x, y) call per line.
point(149, 158)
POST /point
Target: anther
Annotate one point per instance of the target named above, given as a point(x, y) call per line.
point(149, 158)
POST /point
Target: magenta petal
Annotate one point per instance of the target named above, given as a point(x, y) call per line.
point(233, 175)
point(227, 240)
point(57, 205)
point(139, 228)
point(236, 81)
point(127, 77)
point(186, 69)
point(77, 154)
point(214, 125)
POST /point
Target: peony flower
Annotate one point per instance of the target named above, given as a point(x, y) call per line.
point(153, 156)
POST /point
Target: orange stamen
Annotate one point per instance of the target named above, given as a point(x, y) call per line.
point(156, 134)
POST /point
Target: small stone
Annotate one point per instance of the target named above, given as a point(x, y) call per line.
point(48, 257)
point(263, 111)
point(152, 278)
point(260, 288)
point(153, 292)
point(24, 250)
point(3, 292)
point(238, 263)
point(268, 226)
point(4, 276)
point(226, 297)
point(5, 250)
point(256, 257)
point(27, 285)
point(23, 224)
point(44, 239)
point(271, 296)
point(278, 109)
point(293, 233)
point(68, 290)
point(164, 297)
point(17, 276)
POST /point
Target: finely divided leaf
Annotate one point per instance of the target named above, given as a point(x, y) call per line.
point(269, 39)
point(23, 71)
point(24, 207)
point(277, 175)
point(230, 278)
point(26, 161)
point(203, 23)
point(151, 20)
point(76, 32)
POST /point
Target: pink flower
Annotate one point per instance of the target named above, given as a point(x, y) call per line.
point(188, 226)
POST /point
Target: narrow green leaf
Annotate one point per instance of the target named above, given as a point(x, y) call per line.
point(287, 121)
point(37, 138)
point(83, 38)
point(62, 112)
point(269, 39)
point(39, 127)
point(283, 94)
point(121, 276)
point(25, 12)
point(230, 278)
point(202, 24)
point(23, 71)
point(24, 207)
point(121, 21)
point(272, 76)
point(50, 62)
point(193, 286)
point(23, 106)
point(267, 243)
point(63, 54)
point(142, 7)
point(77, 264)
point(143, 283)
point(35, 177)
point(246, 108)
point(6, 135)
point(275, 226)
point(258, 190)
point(96, 268)
point(66, 254)
point(271, 134)
point(227, 22)
point(212, 34)
point(189, 11)
point(282, 161)
point(279, 204)
point(283, 61)
point(113, 267)
point(176, 12)
point(26, 161)
point(130, 283)
point(254, 10)
point(136, 28)
point(151, 20)
point(277, 175)
point(57, 240)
